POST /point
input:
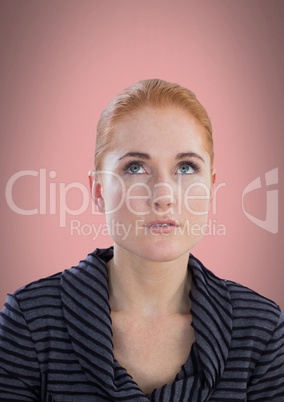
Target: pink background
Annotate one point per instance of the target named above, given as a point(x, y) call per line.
point(63, 61)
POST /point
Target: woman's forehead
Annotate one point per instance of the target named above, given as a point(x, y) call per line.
point(150, 149)
point(156, 127)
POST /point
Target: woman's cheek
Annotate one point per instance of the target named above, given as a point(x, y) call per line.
point(137, 199)
point(114, 198)
point(127, 198)
point(196, 198)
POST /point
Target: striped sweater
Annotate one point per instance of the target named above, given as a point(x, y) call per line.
point(56, 342)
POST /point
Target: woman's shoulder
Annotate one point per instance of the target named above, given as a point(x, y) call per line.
point(249, 301)
point(44, 287)
point(254, 313)
point(35, 300)
point(247, 304)
point(50, 287)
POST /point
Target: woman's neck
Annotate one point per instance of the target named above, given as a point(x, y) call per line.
point(148, 288)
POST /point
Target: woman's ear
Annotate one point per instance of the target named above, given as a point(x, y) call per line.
point(96, 191)
point(213, 182)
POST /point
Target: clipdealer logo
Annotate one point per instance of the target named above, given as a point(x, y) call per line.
point(52, 191)
point(48, 191)
point(270, 223)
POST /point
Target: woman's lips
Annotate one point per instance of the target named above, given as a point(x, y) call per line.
point(162, 226)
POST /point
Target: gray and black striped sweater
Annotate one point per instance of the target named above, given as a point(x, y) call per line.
point(56, 342)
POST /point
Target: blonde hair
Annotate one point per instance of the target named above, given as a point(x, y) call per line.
point(153, 93)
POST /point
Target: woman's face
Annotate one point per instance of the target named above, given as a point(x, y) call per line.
point(156, 184)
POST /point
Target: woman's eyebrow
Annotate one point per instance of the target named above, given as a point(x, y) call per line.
point(183, 155)
point(145, 156)
point(140, 155)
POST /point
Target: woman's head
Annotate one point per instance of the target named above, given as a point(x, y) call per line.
point(153, 93)
point(154, 162)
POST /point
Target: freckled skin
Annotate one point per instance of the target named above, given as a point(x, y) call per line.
point(161, 190)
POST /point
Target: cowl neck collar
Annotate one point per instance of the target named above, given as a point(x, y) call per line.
point(84, 295)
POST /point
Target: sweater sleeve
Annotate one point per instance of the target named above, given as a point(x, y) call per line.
point(267, 381)
point(19, 368)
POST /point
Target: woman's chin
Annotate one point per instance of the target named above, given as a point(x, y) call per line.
point(159, 250)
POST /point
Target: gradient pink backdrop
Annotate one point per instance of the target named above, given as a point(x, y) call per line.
point(63, 61)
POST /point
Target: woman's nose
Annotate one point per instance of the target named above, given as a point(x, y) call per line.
point(163, 197)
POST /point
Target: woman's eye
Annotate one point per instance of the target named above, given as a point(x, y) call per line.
point(186, 168)
point(135, 168)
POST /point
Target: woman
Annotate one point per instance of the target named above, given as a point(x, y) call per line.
point(145, 320)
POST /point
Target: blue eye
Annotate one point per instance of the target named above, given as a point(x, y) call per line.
point(187, 168)
point(134, 168)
